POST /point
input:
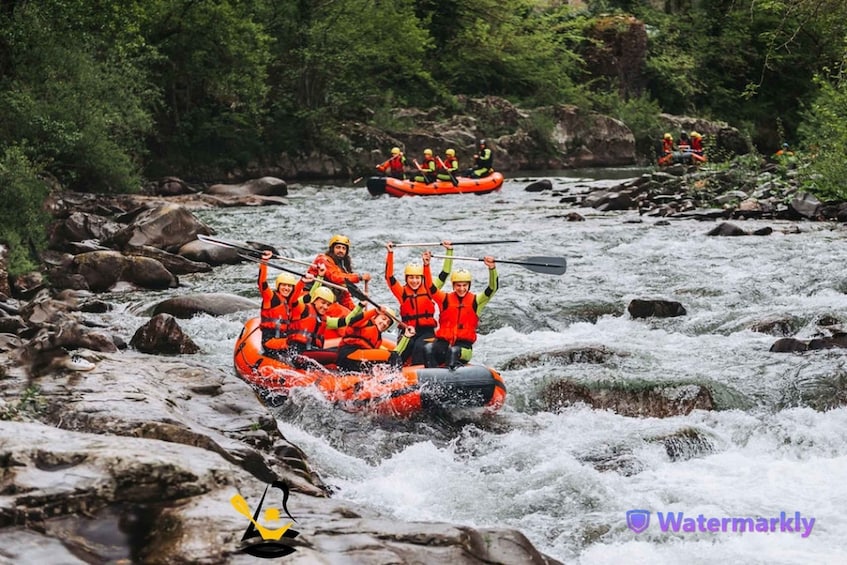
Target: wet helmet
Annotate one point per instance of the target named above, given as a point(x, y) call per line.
point(462, 275)
point(342, 239)
point(427, 151)
point(395, 150)
point(285, 278)
point(325, 293)
point(413, 269)
point(451, 152)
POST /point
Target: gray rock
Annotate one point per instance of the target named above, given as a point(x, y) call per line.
point(213, 304)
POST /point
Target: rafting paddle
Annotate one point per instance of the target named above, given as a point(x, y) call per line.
point(538, 264)
point(441, 164)
point(437, 243)
point(233, 245)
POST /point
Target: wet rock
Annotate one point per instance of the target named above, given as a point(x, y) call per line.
point(726, 229)
point(166, 226)
point(788, 345)
point(642, 399)
point(687, 443)
point(171, 186)
point(102, 270)
point(162, 335)
point(81, 226)
point(805, 205)
point(265, 186)
point(639, 308)
point(213, 304)
point(148, 273)
point(539, 186)
point(204, 252)
point(777, 326)
point(176, 264)
point(25, 286)
point(595, 354)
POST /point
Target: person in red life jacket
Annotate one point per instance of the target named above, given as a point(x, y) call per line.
point(395, 166)
point(426, 171)
point(417, 305)
point(451, 166)
point(364, 337)
point(459, 317)
point(339, 268)
point(667, 144)
point(309, 323)
point(696, 143)
point(277, 305)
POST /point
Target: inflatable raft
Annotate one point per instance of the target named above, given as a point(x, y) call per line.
point(681, 157)
point(397, 187)
point(398, 392)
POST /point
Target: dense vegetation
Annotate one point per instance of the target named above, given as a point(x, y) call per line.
point(99, 94)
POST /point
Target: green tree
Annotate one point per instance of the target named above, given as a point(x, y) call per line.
point(824, 136)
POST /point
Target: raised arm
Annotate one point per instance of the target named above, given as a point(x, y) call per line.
point(446, 267)
point(493, 284)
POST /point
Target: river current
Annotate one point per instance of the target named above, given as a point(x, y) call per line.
point(536, 470)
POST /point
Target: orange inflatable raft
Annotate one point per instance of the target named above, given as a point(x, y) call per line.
point(385, 390)
point(465, 185)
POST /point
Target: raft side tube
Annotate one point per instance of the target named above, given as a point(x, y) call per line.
point(467, 386)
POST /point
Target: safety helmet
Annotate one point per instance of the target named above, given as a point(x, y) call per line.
point(325, 293)
point(683, 134)
point(427, 151)
point(785, 146)
point(695, 134)
point(668, 136)
point(285, 278)
point(481, 142)
point(342, 239)
point(462, 275)
point(395, 150)
point(413, 269)
point(451, 152)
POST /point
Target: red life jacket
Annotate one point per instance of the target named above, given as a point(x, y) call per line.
point(667, 146)
point(365, 336)
point(308, 328)
point(697, 145)
point(458, 320)
point(417, 308)
point(429, 164)
point(397, 163)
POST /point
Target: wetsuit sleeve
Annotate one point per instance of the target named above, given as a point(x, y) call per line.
point(445, 270)
point(264, 290)
point(493, 284)
point(395, 287)
point(401, 345)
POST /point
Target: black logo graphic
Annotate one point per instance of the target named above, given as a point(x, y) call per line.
point(272, 541)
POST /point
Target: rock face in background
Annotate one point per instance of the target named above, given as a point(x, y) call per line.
point(617, 53)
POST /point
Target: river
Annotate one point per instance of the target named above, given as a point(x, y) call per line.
point(535, 470)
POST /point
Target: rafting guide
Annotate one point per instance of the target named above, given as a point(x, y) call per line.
point(639, 520)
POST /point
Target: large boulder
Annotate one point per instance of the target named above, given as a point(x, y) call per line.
point(167, 226)
point(204, 252)
point(213, 304)
point(162, 334)
point(102, 270)
point(265, 186)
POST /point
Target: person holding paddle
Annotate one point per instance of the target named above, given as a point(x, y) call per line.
point(360, 346)
point(395, 166)
point(449, 166)
point(483, 162)
point(427, 170)
point(459, 317)
point(417, 305)
point(339, 268)
point(277, 305)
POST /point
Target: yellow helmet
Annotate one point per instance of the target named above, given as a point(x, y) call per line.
point(695, 134)
point(427, 151)
point(668, 136)
point(462, 275)
point(325, 293)
point(342, 239)
point(285, 278)
point(395, 150)
point(451, 152)
point(413, 269)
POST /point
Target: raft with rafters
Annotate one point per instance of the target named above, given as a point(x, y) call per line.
point(385, 390)
point(464, 185)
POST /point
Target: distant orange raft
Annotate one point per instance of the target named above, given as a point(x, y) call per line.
point(397, 392)
point(465, 185)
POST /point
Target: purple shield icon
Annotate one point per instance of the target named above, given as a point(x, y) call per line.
point(637, 520)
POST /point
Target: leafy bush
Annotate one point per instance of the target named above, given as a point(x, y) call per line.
point(22, 217)
point(824, 134)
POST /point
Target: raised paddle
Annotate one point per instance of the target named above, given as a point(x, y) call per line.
point(441, 164)
point(538, 264)
point(437, 243)
point(233, 245)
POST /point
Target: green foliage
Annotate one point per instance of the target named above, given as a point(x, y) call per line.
point(641, 115)
point(22, 217)
point(69, 104)
point(824, 134)
point(30, 404)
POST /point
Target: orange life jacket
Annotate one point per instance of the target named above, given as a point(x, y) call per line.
point(364, 335)
point(458, 320)
point(417, 308)
point(308, 328)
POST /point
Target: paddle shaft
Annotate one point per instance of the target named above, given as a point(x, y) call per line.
point(546, 265)
point(443, 165)
point(437, 243)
